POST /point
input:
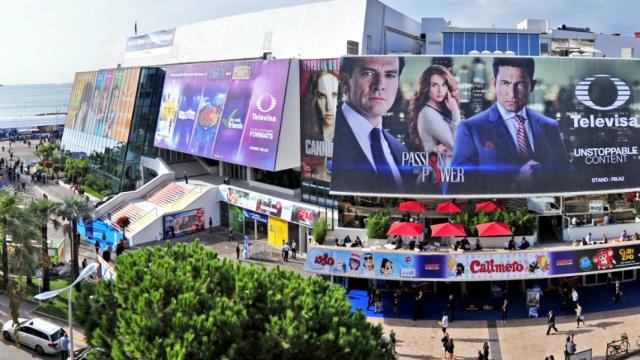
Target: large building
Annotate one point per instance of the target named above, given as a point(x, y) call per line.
point(245, 107)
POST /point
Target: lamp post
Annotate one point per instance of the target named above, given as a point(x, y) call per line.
point(53, 293)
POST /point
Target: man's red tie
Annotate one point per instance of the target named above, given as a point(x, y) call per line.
point(523, 140)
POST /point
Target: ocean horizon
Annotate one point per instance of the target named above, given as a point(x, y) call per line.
point(34, 99)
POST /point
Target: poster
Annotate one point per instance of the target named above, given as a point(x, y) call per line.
point(183, 223)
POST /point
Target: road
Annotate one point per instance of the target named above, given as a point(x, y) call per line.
point(9, 351)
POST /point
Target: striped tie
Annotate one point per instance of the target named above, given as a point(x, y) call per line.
point(523, 140)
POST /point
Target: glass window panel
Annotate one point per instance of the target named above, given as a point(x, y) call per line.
point(523, 44)
point(469, 42)
point(512, 43)
point(447, 43)
point(502, 42)
point(458, 43)
point(491, 42)
point(481, 41)
point(534, 44)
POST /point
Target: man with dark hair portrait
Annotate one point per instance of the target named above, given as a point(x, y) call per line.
point(364, 153)
point(510, 147)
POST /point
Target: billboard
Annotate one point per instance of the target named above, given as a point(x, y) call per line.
point(486, 126)
point(318, 99)
point(101, 103)
point(229, 111)
point(155, 43)
point(183, 223)
point(471, 266)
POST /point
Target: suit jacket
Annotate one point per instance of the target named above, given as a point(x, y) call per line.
point(486, 150)
point(351, 169)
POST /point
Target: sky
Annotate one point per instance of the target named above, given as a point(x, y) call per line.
point(47, 41)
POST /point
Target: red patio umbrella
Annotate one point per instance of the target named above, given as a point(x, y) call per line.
point(448, 229)
point(405, 229)
point(487, 206)
point(411, 206)
point(493, 229)
point(447, 208)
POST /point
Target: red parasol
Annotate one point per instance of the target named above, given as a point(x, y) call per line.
point(493, 229)
point(448, 229)
point(411, 206)
point(486, 206)
point(447, 208)
point(405, 228)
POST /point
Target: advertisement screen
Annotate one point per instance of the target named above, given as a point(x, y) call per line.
point(183, 223)
point(155, 43)
point(471, 266)
point(229, 111)
point(80, 93)
point(318, 99)
point(486, 126)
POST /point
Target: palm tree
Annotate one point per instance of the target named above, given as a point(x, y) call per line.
point(74, 209)
point(11, 218)
point(23, 239)
point(44, 211)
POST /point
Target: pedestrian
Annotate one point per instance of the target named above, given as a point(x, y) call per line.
point(97, 245)
point(293, 249)
point(450, 348)
point(444, 322)
point(549, 357)
point(230, 233)
point(282, 250)
point(617, 296)
point(210, 225)
point(551, 322)
point(480, 356)
point(485, 350)
point(119, 248)
point(106, 254)
point(378, 302)
point(569, 347)
point(237, 251)
point(64, 346)
point(451, 307)
point(186, 177)
point(286, 252)
point(505, 310)
point(84, 263)
point(416, 308)
point(579, 316)
point(445, 342)
point(392, 340)
point(396, 302)
point(574, 296)
point(24, 186)
point(370, 293)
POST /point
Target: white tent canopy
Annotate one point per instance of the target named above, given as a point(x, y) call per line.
point(30, 122)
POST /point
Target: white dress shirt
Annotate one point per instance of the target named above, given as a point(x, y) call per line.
point(512, 124)
point(361, 128)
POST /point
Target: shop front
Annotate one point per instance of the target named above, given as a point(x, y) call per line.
point(262, 216)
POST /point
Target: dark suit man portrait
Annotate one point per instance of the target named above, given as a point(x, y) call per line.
point(366, 157)
point(509, 147)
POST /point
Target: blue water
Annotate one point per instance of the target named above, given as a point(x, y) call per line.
point(29, 100)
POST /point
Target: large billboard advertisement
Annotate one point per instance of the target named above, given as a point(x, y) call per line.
point(229, 111)
point(486, 126)
point(183, 223)
point(101, 103)
point(471, 266)
point(155, 43)
point(318, 99)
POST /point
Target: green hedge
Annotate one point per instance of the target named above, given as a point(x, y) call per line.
point(520, 221)
point(378, 225)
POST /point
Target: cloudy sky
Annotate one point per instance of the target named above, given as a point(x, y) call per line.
point(47, 41)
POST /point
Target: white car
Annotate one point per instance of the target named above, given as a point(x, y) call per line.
point(40, 335)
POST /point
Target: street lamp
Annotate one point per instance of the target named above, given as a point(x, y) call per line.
point(53, 293)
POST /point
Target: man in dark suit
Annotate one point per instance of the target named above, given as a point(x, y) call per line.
point(508, 147)
point(366, 158)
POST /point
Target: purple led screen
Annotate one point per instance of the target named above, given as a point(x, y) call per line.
point(229, 111)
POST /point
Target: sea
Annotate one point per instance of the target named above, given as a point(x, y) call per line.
point(29, 100)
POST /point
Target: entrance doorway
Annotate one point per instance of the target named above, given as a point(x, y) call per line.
point(549, 228)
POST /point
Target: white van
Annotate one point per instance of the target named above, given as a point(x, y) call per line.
point(40, 335)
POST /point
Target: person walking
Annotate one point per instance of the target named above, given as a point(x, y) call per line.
point(569, 347)
point(617, 296)
point(450, 348)
point(551, 322)
point(230, 234)
point(505, 310)
point(370, 295)
point(396, 302)
point(119, 248)
point(445, 342)
point(238, 251)
point(451, 307)
point(210, 225)
point(293, 249)
point(97, 245)
point(286, 249)
point(485, 350)
point(392, 341)
point(574, 297)
point(444, 322)
point(104, 238)
point(64, 346)
point(579, 316)
point(186, 176)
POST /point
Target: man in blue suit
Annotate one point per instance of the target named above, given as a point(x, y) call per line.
point(508, 147)
point(366, 158)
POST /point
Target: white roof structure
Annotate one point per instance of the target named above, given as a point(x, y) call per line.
point(29, 122)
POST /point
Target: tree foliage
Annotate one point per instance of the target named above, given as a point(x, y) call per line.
point(74, 209)
point(183, 302)
point(320, 231)
point(520, 221)
point(378, 225)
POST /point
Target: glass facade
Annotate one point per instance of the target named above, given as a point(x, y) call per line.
point(461, 43)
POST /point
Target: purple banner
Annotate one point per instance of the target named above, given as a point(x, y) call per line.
point(230, 111)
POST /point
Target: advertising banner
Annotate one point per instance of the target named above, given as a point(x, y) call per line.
point(229, 111)
point(255, 216)
point(318, 99)
point(155, 43)
point(80, 95)
point(471, 266)
point(183, 223)
point(485, 126)
point(270, 206)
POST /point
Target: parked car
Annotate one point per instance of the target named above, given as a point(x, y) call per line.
point(83, 353)
point(101, 202)
point(38, 334)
